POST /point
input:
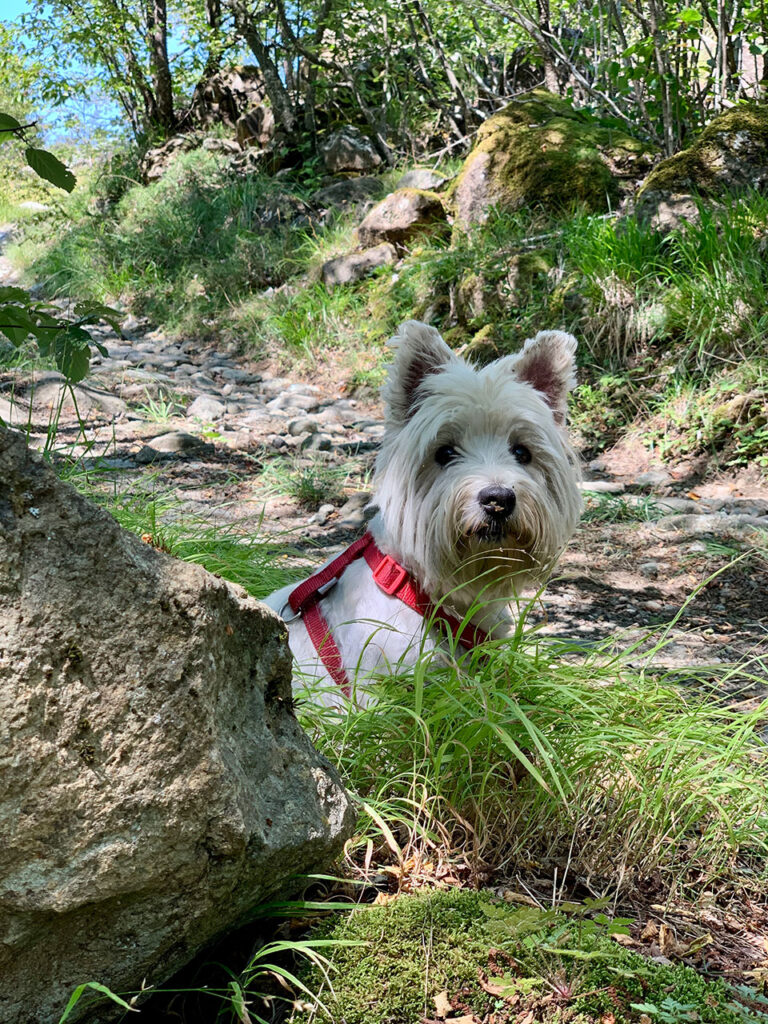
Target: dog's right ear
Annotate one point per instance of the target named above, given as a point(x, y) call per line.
point(420, 351)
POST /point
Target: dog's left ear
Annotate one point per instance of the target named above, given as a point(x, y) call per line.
point(420, 352)
point(547, 363)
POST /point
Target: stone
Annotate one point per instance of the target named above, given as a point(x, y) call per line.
point(256, 127)
point(356, 192)
point(280, 209)
point(317, 443)
point(540, 151)
point(302, 425)
point(174, 443)
point(357, 265)
point(400, 217)
point(422, 178)
point(730, 156)
point(205, 407)
point(347, 149)
point(155, 785)
point(225, 96)
point(649, 569)
point(49, 391)
point(353, 513)
point(320, 517)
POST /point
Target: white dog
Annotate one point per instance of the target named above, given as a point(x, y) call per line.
point(477, 494)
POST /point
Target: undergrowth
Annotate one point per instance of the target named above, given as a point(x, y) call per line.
point(480, 958)
point(530, 750)
point(670, 325)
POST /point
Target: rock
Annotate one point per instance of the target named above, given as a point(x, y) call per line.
point(33, 207)
point(256, 127)
point(321, 516)
point(155, 785)
point(401, 216)
point(280, 209)
point(175, 443)
point(422, 178)
point(347, 149)
point(649, 569)
point(352, 513)
point(540, 151)
point(49, 392)
point(206, 407)
point(357, 192)
point(650, 480)
point(317, 443)
point(357, 265)
point(302, 425)
point(157, 161)
point(730, 155)
point(226, 95)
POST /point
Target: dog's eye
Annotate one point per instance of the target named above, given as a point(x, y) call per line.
point(445, 455)
point(521, 453)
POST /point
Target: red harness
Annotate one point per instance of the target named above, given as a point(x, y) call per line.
point(392, 578)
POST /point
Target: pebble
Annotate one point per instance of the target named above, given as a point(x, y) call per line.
point(649, 569)
point(206, 408)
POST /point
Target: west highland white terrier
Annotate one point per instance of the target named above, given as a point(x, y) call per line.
point(476, 491)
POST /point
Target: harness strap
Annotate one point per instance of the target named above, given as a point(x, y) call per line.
point(390, 577)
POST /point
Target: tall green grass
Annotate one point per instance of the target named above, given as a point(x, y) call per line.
point(529, 751)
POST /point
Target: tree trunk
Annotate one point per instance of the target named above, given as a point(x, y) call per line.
point(285, 115)
point(162, 84)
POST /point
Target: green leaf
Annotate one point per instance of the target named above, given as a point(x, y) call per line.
point(48, 166)
point(689, 16)
point(71, 350)
point(8, 123)
point(14, 295)
point(15, 323)
point(74, 999)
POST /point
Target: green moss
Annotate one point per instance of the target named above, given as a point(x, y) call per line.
point(699, 167)
point(444, 941)
point(539, 150)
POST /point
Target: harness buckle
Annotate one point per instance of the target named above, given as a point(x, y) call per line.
point(389, 575)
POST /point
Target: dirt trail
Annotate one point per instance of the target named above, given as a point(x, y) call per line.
point(234, 443)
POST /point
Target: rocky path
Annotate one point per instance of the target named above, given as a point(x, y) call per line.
point(235, 445)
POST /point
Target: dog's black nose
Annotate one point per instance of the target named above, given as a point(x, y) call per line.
point(497, 502)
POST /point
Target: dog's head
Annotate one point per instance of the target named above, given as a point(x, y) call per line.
point(476, 484)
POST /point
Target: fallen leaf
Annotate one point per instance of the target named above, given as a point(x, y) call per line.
point(491, 987)
point(624, 940)
point(667, 940)
point(527, 1019)
point(689, 948)
point(383, 898)
point(650, 931)
point(442, 1005)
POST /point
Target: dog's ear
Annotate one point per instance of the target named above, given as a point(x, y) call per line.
point(420, 351)
point(547, 363)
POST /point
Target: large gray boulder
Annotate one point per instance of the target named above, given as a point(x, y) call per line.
point(154, 783)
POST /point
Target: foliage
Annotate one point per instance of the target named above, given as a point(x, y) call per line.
point(521, 751)
point(485, 955)
point(65, 340)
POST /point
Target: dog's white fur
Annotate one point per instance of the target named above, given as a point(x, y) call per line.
point(430, 518)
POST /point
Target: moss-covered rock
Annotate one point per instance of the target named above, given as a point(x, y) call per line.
point(730, 156)
point(538, 150)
